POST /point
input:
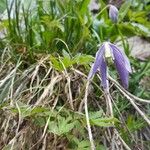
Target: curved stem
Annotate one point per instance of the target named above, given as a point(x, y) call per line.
point(109, 103)
point(132, 102)
point(122, 90)
point(87, 117)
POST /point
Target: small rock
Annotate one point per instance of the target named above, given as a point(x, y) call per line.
point(140, 48)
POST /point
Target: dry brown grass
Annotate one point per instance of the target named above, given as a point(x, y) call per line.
point(31, 94)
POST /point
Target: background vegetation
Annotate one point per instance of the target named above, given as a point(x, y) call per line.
point(46, 50)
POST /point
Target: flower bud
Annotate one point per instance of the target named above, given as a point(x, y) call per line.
point(113, 13)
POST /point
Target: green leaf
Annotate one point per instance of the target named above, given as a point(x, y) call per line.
point(124, 10)
point(141, 29)
point(83, 6)
point(52, 24)
point(65, 53)
point(65, 125)
point(95, 115)
point(61, 125)
point(103, 122)
point(39, 121)
point(83, 59)
point(53, 127)
point(67, 61)
point(26, 110)
point(126, 29)
point(2, 6)
point(84, 145)
point(56, 63)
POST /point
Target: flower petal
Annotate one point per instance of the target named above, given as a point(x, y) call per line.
point(121, 55)
point(98, 61)
point(123, 74)
point(103, 73)
point(122, 65)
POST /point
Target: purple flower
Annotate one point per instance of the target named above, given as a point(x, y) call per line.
point(121, 62)
point(113, 13)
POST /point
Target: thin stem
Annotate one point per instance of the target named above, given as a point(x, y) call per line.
point(121, 89)
point(138, 109)
point(110, 111)
point(133, 103)
point(109, 103)
point(87, 117)
point(102, 10)
point(123, 142)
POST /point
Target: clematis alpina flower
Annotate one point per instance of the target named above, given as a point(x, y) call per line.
point(113, 13)
point(121, 62)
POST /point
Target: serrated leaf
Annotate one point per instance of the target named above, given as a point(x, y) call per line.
point(83, 59)
point(95, 115)
point(53, 127)
point(67, 62)
point(61, 125)
point(56, 64)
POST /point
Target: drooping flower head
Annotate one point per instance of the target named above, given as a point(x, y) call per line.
point(113, 13)
point(121, 62)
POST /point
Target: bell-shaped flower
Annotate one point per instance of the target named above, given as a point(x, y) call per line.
point(113, 13)
point(121, 62)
